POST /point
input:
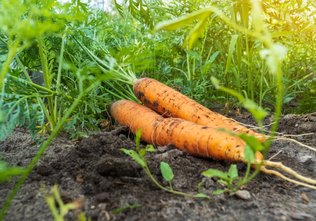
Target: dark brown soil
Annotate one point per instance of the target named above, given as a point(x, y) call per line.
point(95, 171)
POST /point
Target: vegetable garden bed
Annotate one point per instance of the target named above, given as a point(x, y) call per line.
point(65, 64)
point(108, 185)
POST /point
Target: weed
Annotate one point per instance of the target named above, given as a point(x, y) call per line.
point(59, 209)
point(7, 172)
point(139, 157)
point(225, 178)
point(124, 208)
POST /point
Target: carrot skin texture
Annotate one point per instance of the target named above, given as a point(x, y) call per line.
point(195, 139)
point(171, 103)
point(129, 114)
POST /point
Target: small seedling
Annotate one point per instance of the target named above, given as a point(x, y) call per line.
point(124, 208)
point(7, 172)
point(139, 157)
point(59, 209)
point(167, 173)
point(231, 179)
point(225, 178)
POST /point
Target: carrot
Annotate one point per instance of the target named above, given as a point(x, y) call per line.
point(171, 103)
point(195, 139)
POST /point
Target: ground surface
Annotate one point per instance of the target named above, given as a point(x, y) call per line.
point(94, 171)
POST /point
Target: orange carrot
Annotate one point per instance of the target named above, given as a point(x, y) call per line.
point(171, 103)
point(195, 139)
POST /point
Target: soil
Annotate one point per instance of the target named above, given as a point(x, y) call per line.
point(110, 186)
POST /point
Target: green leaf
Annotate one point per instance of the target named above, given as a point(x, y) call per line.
point(232, 45)
point(196, 32)
point(142, 152)
point(7, 172)
point(208, 63)
point(135, 156)
point(3, 116)
point(274, 56)
point(183, 21)
point(249, 154)
point(258, 112)
point(213, 57)
point(252, 142)
point(215, 173)
point(215, 82)
point(166, 171)
point(233, 172)
point(150, 148)
point(137, 138)
point(124, 208)
point(218, 192)
point(201, 195)
point(224, 182)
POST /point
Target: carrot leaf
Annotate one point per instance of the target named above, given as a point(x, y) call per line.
point(166, 171)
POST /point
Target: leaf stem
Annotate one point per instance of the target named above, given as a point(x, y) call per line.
point(47, 80)
point(5, 67)
point(61, 57)
point(170, 190)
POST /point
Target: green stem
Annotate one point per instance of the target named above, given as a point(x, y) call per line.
point(39, 87)
point(164, 188)
point(247, 173)
point(188, 75)
point(5, 67)
point(170, 186)
point(250, 177)
point(278, 108)
point(41, 151)
point(120, 92)
point(61, 57)
point(232, 24)
point(27, 76)
point(261, 87)
point(47, 80)
point(121, 75)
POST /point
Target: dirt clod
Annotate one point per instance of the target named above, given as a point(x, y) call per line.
point(243, 194)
